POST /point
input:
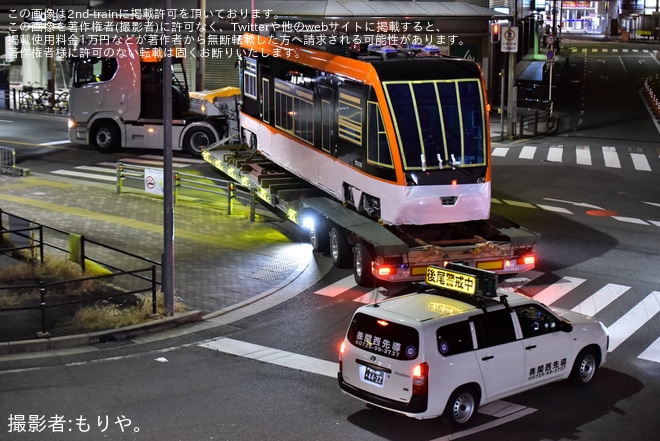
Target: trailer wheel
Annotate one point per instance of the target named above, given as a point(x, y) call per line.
point(105, 137)
point(319, 238)
point(362, 258)
point(197, 139)
point(340, 251)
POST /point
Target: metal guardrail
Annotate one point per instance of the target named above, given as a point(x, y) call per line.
point(8, 163)
point(230, 191)
point(21, 234)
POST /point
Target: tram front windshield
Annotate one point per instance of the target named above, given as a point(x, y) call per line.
point(439, 124)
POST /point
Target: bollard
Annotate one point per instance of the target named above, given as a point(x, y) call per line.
point(120, 173)
point(177, 183)
point(42, 294)
point(230, 196)
point(253, 197)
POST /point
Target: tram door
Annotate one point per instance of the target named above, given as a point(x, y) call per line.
point(326, 120)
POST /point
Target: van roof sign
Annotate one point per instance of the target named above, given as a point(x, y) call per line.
point(451, 280)
point(463, 279)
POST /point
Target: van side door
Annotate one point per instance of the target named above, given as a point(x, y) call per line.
point(500, 355)
point(547, 347)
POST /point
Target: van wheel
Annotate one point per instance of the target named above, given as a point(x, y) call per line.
point(105, 137)
point(362, 265)
point(584, 368)
point(340, 252)
point(461, 407)
point(196, 140)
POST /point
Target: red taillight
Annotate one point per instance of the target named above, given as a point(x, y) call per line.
point(527, 260)
point(385, 270)
point(342, 348)
point(421, 379)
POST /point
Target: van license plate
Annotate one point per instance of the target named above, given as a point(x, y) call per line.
point(374, 376)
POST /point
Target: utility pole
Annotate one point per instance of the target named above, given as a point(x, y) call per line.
point(168, 175)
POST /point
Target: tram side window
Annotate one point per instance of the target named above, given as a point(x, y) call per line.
point(250, 78)
point(378, 148)
point(350, 118)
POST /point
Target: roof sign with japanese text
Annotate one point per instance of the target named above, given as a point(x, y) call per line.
point(451, 280)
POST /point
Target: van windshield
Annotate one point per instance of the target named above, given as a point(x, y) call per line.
point(392, 340)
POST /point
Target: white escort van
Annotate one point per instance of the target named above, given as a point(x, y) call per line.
point(459, 344)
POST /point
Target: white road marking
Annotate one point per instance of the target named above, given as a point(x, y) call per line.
point(84, 175)
point(500, 151)
point(652, 353)
point(558, 289)
point(611, 157)
point(338, 287)
point(633, 320)
point(273, 356)
point(639, 161)
point(555, 153)
point(583, 154)
point(600, 299)
point(528, 152)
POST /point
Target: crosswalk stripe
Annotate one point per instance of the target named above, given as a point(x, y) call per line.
point(527, 152)
point(273, 356)
point(633, 320)
point(140, 161)
point(558, 289)
point(583, 154)
point(76, 174)
point(500, 151)
point(97, 169)
point(600, 299)
point(639, 160)
point(372, 296)
point(652, 353)
point(185, 160)
point(555, 153)
point(611, 157)
point(515, 283)
point(338, 287)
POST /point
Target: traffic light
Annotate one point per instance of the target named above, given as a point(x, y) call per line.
point(495, 33)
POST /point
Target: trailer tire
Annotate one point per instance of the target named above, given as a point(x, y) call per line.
point(319, 238)
point(196, 139)
point(105, 136)
point(340, 251)
point(362, 257)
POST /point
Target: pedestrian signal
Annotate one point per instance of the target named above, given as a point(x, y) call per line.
point(495, 33)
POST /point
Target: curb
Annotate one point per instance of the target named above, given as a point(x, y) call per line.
point(93, 338)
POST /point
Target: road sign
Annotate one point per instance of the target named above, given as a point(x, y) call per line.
point(509, 42)
point(550, 39)
point(153, 180)
point(550, 55)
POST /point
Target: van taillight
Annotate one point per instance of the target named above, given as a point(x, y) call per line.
point(342, 348)
point(421, 379)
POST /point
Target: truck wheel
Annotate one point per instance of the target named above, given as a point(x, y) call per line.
point(461, 407)
point(362, 258)
point(584, 368)
point(105, 137)
point(319, 238)
point(340, 251)
point(197, 139)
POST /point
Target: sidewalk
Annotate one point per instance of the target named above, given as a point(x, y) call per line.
point(220, 260)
